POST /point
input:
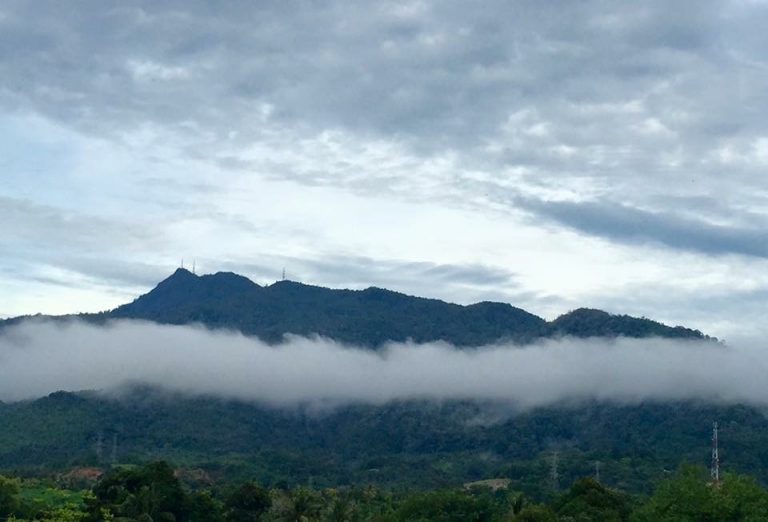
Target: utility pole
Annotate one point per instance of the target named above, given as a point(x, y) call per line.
point(597, 470)
point(715, 467)
point(554, 474)
point(113, 457)
point(99, 447)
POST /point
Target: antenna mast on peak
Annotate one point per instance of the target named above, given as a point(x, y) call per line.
point(283, 279)
point(193, 265)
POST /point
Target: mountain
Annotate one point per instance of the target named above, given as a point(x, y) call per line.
point(400, 443)
point(587, 322)
point(369, 317)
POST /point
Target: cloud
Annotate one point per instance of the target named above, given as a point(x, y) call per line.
point(149, 131)
point(426, 279)
point(32, 224)
point(442, 76)
point(50, 244)
point(635, 226)
point(587, 98)
point(37, 358)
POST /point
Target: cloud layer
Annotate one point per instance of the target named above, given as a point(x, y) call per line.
point(37, 358)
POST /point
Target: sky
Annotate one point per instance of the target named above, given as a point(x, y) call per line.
point(551, 155)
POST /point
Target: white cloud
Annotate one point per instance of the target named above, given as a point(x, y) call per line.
point(39, 358)
point(146, 70)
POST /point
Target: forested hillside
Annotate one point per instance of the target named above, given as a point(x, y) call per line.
point(397, 444)
point(414, 444)
point(369, 317)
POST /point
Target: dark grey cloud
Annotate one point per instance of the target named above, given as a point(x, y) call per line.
point(631, 225)
point(464, 283)
point(609, 95)
point(424, 70)
point(629, 100)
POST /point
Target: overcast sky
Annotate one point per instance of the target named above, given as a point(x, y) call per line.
point(548, 154)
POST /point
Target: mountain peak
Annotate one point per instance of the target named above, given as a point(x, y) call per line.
point(590, 322)
point(180, 273)
point(370, 317)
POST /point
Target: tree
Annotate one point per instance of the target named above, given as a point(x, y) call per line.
point(587, 499)
point(689, 495)
point(447, 506)
point(247, 503)
point(9, 496)
point(203, 507)
point(535, 514)
point(151, 491)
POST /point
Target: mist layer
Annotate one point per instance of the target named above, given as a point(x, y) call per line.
point(37, 358)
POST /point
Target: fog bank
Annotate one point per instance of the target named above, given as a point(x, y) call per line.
point(37, 358)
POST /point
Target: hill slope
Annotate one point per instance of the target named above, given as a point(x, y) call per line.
point(368, 317)
point(413, 443)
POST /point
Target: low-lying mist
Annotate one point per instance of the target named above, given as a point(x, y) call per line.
point(37, 358)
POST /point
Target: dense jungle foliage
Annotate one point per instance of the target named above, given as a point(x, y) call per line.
point(416, 444)
point(156, 492)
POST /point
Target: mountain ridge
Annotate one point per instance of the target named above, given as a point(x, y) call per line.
point(370, 317)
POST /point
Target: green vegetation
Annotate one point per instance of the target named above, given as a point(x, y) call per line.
point(405, 460)
point(40, 500)
point(368, 318)
point(154, 493)
point(396, 445)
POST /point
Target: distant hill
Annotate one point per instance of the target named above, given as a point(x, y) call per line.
point(400, 444)
point(367, 317)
